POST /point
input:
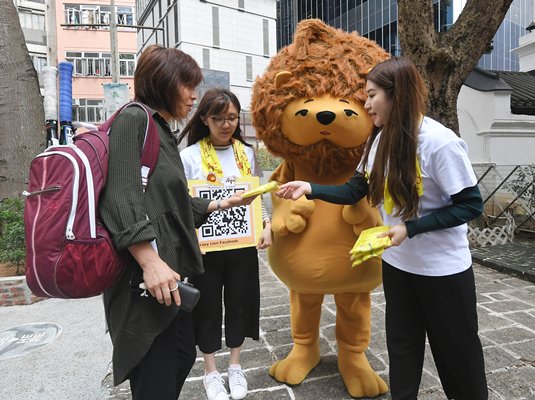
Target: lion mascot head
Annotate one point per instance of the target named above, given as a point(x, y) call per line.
point(308, 105)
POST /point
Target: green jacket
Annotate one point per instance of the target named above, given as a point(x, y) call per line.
point(135, 321)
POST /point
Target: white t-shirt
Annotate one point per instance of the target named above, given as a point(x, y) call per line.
point(191, 158)
point(446, 170)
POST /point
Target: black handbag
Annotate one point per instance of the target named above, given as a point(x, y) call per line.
point(189, 295)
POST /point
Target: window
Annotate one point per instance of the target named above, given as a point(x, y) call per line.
point(265, 26)
point(215, 26)
point(249, 68)
point(39, 62)
point(72, 15)
point(88, 14)
point(99, 64)
point(206, 58)
point(127, 64)
point(125, 16)
point(87, 110)
point(175, 11)
point(30, 20)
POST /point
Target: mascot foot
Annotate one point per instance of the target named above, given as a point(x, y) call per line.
point(359, 377)
point(297, 365)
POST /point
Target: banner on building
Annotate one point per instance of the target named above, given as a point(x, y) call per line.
point(115, 95)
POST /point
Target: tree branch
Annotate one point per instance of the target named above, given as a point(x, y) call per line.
point(417, 35)
point(474, 29)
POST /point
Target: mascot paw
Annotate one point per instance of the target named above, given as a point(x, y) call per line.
point(295, 368)
point(291, 216)
point(300, 210)
point(359, 377)
point(361, 216)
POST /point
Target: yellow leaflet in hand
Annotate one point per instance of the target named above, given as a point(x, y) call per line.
point(368, 245)
point(268, 187)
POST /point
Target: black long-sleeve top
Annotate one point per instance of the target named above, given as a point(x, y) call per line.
point(465, 205)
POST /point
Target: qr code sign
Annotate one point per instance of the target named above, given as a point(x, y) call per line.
point(225, 223)
point(233, 228)
point(233, 222)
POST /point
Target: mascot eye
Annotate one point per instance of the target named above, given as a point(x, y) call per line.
point(349, 112)
point(302, 113)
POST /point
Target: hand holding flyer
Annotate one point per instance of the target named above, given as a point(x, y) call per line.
point(266, 188)
point(368, 245)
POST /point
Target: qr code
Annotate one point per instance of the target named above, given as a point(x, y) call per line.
point(225, 223)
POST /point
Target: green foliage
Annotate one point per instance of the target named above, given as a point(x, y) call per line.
point(523, 181)
point(266, 160)
point(12, 242)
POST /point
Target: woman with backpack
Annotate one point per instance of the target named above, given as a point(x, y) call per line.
point(153, 339)
point(418, 173)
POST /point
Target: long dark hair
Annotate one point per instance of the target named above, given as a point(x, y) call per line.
point(396, 151)
point(214, 102)
point(160, 71)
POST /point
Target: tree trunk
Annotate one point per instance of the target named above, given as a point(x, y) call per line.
point(22, 117)
point(445, 59)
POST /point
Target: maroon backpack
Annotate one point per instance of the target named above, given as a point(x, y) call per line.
point(69, 253)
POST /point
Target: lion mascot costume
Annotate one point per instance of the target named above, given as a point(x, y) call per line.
point(308, 108)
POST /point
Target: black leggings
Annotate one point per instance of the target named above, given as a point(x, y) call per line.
point(444, 308)
point(163, 370)
point(232, 275)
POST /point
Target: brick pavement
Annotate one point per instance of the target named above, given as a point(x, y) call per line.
point(516, 258)
point(506, 307)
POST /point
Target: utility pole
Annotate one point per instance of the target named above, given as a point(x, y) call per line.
point(113, 44)
point(51, 40)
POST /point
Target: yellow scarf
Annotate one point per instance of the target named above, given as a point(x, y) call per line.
point(210, 162)
point(388, 202)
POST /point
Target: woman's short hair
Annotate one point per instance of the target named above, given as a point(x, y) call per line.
point(160, 72)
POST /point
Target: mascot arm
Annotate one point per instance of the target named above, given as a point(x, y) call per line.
point(287, 215)
point(362, 216)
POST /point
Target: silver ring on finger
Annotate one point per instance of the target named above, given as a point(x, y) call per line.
point(175, 288)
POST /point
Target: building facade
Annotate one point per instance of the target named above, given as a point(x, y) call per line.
point(88, 49)
point(32, 20)
point(232, 40)
point(377, 20)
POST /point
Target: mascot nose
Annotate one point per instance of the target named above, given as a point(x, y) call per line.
point(325, 117)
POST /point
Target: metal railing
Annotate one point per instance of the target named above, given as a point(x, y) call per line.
point(507, 189)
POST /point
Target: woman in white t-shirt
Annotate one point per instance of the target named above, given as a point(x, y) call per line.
point(216, 149)
point(417, 172)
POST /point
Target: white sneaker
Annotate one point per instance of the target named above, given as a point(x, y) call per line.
point(237, 383)
point(215, 387)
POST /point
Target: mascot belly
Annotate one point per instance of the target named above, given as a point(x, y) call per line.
point(317, 260)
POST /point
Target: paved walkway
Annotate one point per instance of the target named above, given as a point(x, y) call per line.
point(515, 258)
point(506, 307)
point(74, 365)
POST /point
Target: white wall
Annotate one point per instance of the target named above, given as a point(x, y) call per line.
point(492, 132)
point(240, 36)
point(526, 52)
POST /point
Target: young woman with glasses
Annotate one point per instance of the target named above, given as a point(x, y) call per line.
point(216, 149)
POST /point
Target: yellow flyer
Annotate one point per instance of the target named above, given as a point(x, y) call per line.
point(235, 227)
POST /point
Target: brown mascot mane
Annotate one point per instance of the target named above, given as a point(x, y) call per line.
point(322, 60)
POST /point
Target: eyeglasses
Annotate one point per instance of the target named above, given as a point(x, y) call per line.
point(219, 121)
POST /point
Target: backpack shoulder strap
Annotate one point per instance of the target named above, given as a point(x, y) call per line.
point(151, 142)
point(151, 145)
